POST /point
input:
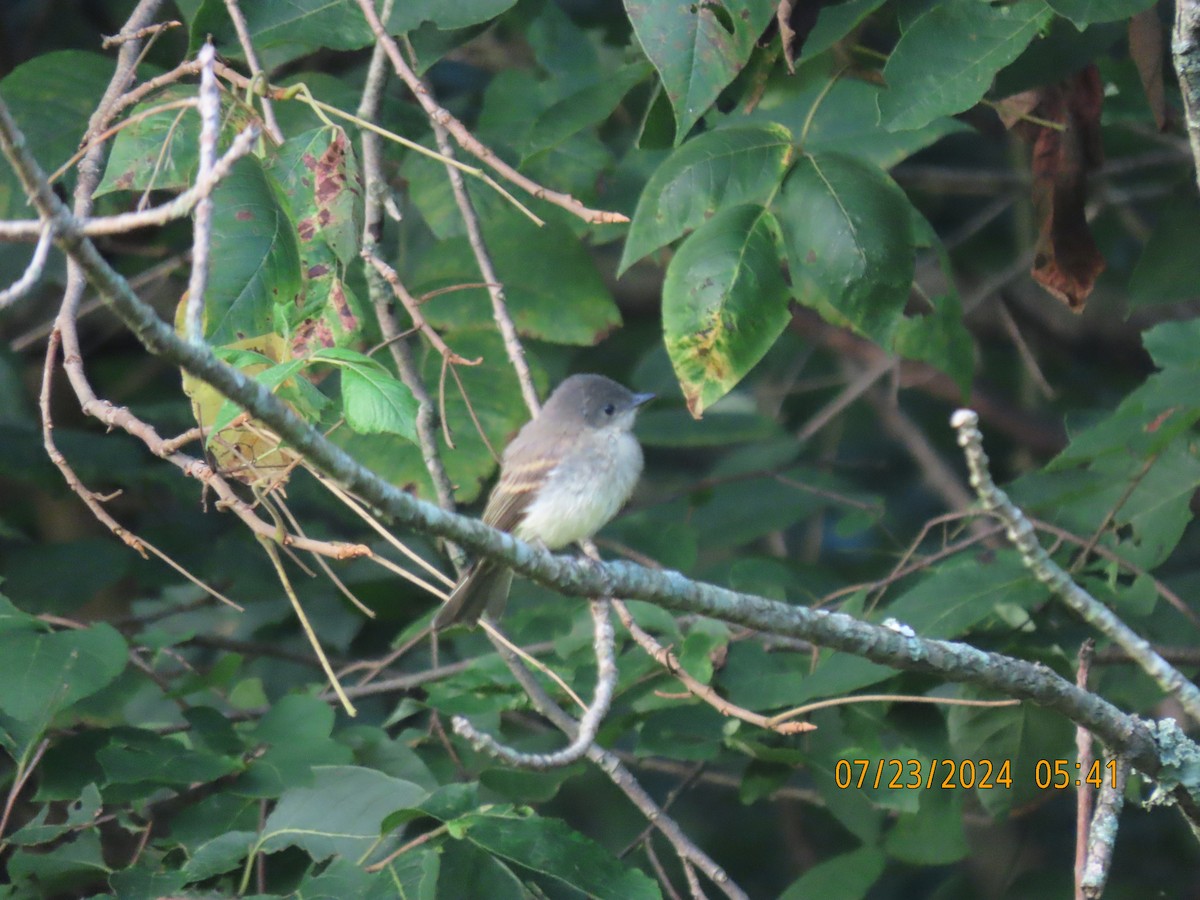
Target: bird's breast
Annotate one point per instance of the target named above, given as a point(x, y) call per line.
point(583, 492)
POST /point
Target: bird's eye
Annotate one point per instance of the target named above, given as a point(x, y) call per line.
point(609, 409)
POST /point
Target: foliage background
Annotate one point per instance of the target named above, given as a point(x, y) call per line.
point(189, 748)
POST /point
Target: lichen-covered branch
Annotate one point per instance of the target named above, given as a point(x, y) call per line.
point(1185, 52)
point(1021, 533)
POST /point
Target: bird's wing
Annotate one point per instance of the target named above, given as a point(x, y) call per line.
point(519, 481)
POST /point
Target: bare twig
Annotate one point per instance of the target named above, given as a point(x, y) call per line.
point(589, 724)
point(669, 661)
point(1102, 835)
point(1083, 753)
point(401, 352)
point(33, 271)
point(210, 127)
point(256, 72)
point(463, 136)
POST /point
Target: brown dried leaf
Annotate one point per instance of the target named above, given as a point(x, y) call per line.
point(1067, 261)
point(795, 19)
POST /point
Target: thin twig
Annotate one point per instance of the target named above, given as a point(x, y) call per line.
point(256, 72)
point(33, 271)
point(1102, 835)
point(1083, 753)
point(589, 724)
point(463, 136)
point(669, 661)
point(210, 127)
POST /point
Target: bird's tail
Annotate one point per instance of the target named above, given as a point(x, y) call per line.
point(484, 589)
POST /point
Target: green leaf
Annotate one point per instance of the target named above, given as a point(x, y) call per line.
point(1014, 736)
point(220, 854)
point(675, 428)
point(834, 22)
point(80, 813)
point(845, 877)
point(1168, 269)
point(932, 836)
point(963, 591)
point(945, 62)
point(495, 401)
point(256, 262)
point(697, 48)
point(762, 681)
point(682, 731)
point(844, 119)
point(342, 879)
point(51, 98)
point(848, 234)
point(66, 870)
point(138, 757)
point(1084, 12)
point(41, 674)
point(281, 32)
point(373, 399)
point(446, 16)
point(553, 289)
point(938, 336)
point(714, 171)
point(340, 813)
point(582, 109)
point(550, 847)
point(724, 303)
point(297, 728)
point(158, 152)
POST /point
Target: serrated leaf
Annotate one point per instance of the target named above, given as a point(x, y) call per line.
point(256, 260)
point(724, 303)
point(374, 400)
point(714, 171)
point(697, 48)
point(495, 400)
point(933, 835)
point(224, 852)
point(945, 62)
point(848, 235)
point(319, 177)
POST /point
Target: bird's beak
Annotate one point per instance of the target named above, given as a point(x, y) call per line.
point(639, 399)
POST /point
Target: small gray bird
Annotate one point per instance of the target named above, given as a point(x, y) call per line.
point(564, 476)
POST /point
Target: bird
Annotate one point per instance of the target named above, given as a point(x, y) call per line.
point(564, 476)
